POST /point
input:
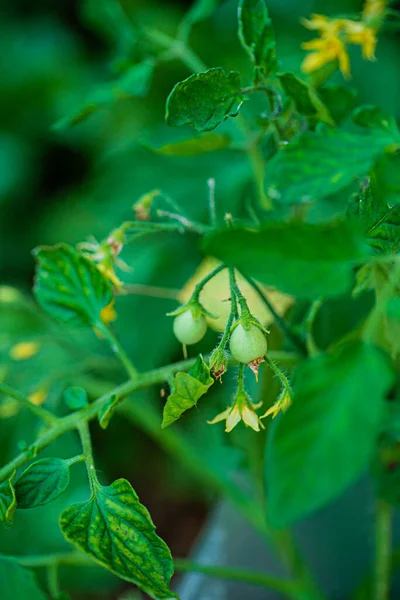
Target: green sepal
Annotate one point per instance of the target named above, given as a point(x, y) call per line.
point(187, 389)
point(8, 502)
point(116, 530)
point(196, 308)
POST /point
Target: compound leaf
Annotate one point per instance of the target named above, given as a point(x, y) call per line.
point(117, 531)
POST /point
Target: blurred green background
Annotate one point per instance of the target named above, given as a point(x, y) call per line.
point(67, 185)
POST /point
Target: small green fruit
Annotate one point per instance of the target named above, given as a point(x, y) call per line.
point(247, 345)
point(188, 329)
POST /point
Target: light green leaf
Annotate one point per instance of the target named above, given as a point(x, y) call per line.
point(319, 164)
point(75, 398)
point(108, 410)
point(69, 287)
point(373, 117)
point(302, 259)
point(17, 583)
point(208, 142)
point(8, 502)
point(133, 83)
point(256, 34)
point(42, 482)
point(116, 530)
point(379, 221)
point(187, 390)
point(304, 97)
point(385, 179)
point(326, 439)
point(205, 100)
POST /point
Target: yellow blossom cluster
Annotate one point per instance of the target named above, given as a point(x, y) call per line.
point(335, 35)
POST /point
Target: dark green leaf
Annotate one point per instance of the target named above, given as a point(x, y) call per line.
point(327, 437)
point(339, 100)
point(17, 583)
point(373, 117)
point(42, 482)
point(116, 530)
point(380, 222)
point(108, 410)
point(257, 35)
point(7, 501)
point(319, 164)
point(204, 100)
point(208, 142)
point(385, 179)
point(303, 259)
point(187, 390)
point(134, 82)
point(304, 97)
point(70, 287)
point(75, 398)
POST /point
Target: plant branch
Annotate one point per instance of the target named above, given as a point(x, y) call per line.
point(40, 412)
point(119, 352)
point(383, 544)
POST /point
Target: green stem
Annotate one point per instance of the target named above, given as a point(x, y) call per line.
point(287, 588)
point(40, 412)
point(281, 375)
point(291, 336)
point(312, 347)
point(119, 352)
point(374, 320)
point(383, 544)
point(86, 441)
point(199, 287)
point(183, 225)
point(240, 378)
point(52, 580)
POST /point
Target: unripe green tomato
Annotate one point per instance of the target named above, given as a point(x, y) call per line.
point(248, 345)
point(189, 330)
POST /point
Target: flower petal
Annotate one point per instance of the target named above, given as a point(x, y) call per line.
point(233, 419)
point(221, 416)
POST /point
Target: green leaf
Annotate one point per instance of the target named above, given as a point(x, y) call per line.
point(304, 97)
point(187, 390)
point(339, 101)
point(380, 222)
point(8, 502)
point(42, 482)
point(134, 82)
point(385, 179)
point(205, 100)
point(69, 287)
point(319, 164)
point(17, 583)
point(208, 142)
point(116, 530)
point(256, 34)
point(107, 412)
point(75, 398)
point(373, 117)
point(327, 437)
point(302, 259)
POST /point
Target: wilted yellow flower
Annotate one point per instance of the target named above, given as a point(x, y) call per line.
point(24, 350)
point(108, 271)
point(358, 33)
point(38, 397)
point(242, 409)
point(282, 404)
point(142, 207)
point(108, 313)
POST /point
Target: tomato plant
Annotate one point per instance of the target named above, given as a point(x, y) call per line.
point(303, 292)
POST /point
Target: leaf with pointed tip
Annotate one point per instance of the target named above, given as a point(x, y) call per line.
point(42, 482)
point(304, 97)
point(75, 398)
point(320, 164)
point(327, 437)
point(18, 583)
point(205, 100)
point(7, 501)
point(70, 287)
point(256, 34)
point(117, 531)
point(187, 390)
point(108, 410)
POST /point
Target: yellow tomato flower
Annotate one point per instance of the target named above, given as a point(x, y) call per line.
point(358, 33)
point(323, 24)
point(242, 409)
point(326, 50)
point(282, 404)
point(24, 350)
